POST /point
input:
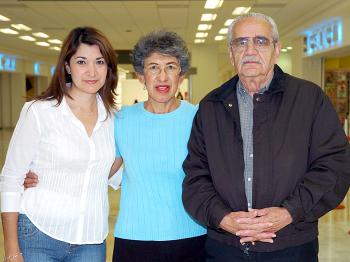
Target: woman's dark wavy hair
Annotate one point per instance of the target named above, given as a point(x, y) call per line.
point(89, 36)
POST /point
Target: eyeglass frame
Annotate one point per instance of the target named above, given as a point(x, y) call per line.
point(160, 69)
point(253, 40)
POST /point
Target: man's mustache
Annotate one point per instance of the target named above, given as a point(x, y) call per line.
point(250, 59)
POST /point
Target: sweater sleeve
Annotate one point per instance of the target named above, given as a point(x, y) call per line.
point(327, 179)
point(199, 196)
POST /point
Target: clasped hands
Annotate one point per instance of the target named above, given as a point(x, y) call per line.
point(256, 224)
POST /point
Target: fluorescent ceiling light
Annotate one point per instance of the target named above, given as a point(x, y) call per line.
point(228, 22)
point(213, 4)
point(27, 38)
point(21, 27)
point(8, 31)
point(289, 47)
point(198, 41)
point(223, 31)
point(219, 37)
point(42, 43)
point(201, 34)
point(4, 18)
point(284, 50)
point(208, 17)
point(55, 41)
point(41, 35)
point(203, 27)
point(241, 10)
point(56, 48)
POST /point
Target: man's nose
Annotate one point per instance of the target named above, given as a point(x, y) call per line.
point(250, 48)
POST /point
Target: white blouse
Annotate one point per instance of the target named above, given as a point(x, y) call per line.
point(70, 202)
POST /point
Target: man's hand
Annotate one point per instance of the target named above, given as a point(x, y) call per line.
point(236, 222)
point(277, 217)
point(31, 180)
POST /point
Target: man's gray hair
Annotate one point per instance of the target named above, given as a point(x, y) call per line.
point(274, 31)
point(162, 42)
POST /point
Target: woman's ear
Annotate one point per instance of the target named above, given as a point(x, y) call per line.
point(67, 68)
point(141, 78)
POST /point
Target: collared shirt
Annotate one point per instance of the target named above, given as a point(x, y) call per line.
point(70, 202)
point(246, 108)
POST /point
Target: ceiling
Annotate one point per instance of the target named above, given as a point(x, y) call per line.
point(125, 21)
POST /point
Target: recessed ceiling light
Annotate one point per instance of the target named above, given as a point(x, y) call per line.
point(56, 48)
point(42, 43)
point(223, 31)
point(27, 38)
point(21, 27)
point(213, 4)
point(241, 10)
point(201, 34)
point(203, 27)
point(228, 22)
point(8, 31)
point(289, 47)
point(198, 41)
point(41, 35)
point(219, 37)
point(208, 17)
point(284, 49)
point(55, 41)
point(4, 18)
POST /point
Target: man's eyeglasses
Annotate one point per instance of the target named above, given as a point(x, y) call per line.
point(170, 69)
point(260, 43)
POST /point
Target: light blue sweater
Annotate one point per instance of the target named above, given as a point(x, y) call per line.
point(153, 147)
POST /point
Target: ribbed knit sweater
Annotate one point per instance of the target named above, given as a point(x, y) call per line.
point(153, 147)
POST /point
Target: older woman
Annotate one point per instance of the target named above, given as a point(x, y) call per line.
point(151, 138)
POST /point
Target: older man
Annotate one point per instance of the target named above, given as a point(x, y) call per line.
point(267, 156)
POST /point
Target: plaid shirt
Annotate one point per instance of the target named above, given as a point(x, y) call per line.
point(246, 107)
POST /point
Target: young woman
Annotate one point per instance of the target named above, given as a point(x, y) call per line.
point(64, 136)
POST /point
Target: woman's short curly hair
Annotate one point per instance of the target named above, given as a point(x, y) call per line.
point(162, 42)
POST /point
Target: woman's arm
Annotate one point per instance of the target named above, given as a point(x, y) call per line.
point(11, 246)
point(22, 149)
point(115, 167)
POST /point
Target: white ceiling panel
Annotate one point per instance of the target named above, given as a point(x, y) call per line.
point(125, 21)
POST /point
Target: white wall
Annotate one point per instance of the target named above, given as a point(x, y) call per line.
point(18, 93)
point(5, 84)
point(285, 62)
point(205, 59)
point(132, 89)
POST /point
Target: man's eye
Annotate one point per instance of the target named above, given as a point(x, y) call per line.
point(261, 41)
point(242, 42)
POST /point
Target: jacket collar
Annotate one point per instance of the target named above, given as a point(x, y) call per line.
point(227, 90)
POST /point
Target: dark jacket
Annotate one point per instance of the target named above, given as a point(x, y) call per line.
point(301, 159)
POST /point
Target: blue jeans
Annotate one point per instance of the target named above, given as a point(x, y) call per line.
point(39, 247)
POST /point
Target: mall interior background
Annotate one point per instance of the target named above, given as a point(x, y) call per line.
point(315, 36)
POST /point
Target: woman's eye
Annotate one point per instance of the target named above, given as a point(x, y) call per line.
point(80, 62)
point(100, 62)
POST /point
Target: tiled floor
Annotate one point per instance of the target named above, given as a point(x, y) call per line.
point(334, 227)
